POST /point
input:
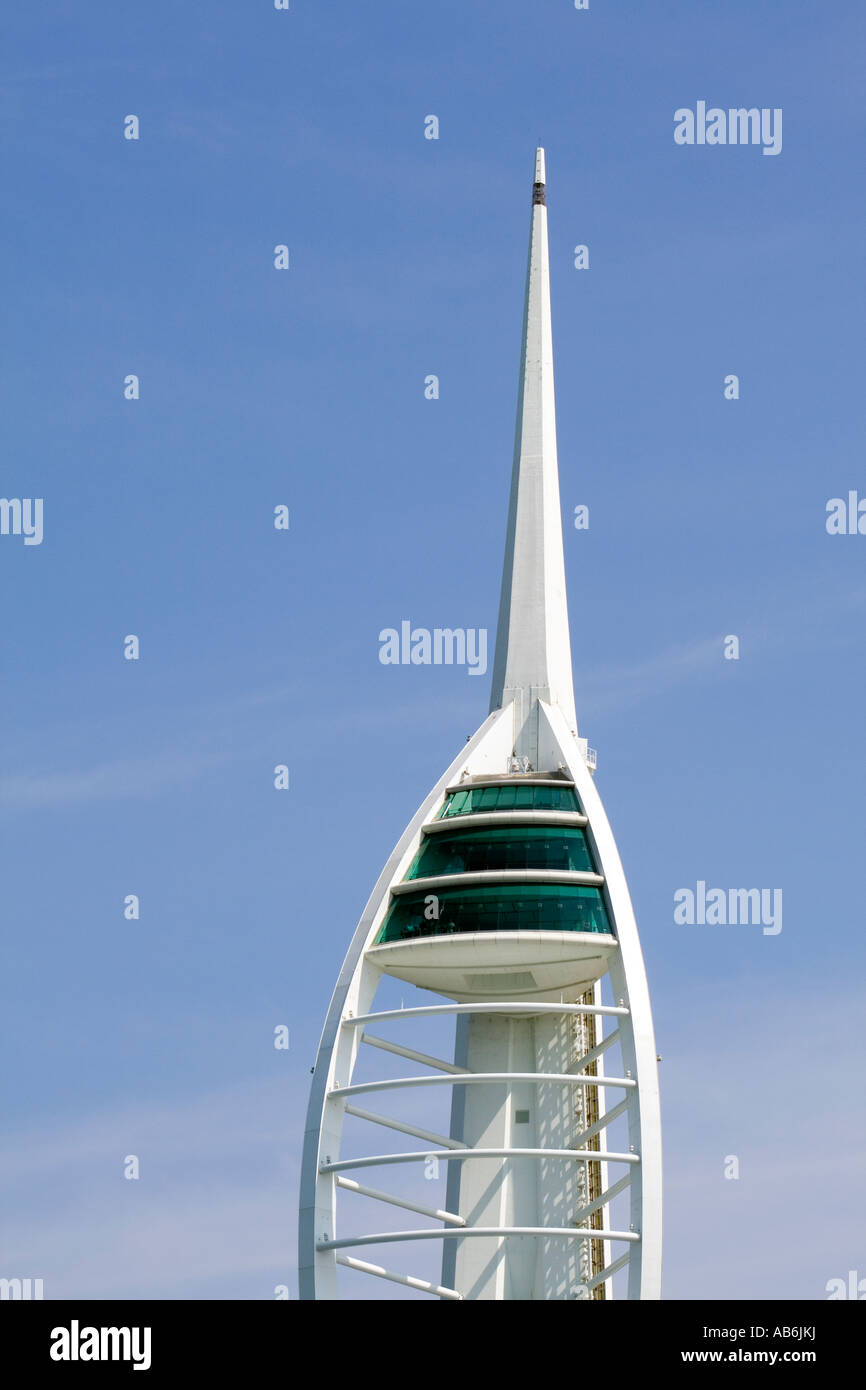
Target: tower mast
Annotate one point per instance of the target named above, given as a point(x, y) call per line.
point(533, 649)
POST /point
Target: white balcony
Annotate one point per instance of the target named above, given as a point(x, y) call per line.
point(590, 756)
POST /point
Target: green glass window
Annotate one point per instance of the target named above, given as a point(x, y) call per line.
point(521, 796)
point(505, 847)
point(504, 907)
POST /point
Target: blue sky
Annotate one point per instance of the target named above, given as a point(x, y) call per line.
point(306, 387)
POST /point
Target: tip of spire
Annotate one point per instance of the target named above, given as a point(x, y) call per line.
point(538, 188)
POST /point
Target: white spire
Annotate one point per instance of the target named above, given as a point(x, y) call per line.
point(533, 650)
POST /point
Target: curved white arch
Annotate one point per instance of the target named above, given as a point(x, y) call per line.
point(629, 983)
point(355, 988)
point(321, 1235)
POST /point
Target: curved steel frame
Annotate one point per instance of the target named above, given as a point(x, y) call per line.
point(350, 1012)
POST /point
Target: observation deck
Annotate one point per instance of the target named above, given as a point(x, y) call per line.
point(502, 896)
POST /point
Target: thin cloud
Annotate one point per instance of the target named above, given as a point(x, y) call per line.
point(616, 687)
point(127, 777)
point(215, 1200)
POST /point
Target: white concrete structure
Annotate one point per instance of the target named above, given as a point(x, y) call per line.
point(506, 898)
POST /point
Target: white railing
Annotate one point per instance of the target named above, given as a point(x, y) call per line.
point(589, 755)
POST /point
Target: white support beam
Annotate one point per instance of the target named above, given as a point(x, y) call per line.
point(408, 1279)
point(389, 1197)
point(392, 1237)
point(389, 1123)
point(480, 1078)
point(495, 780)
point(595, 1052)
point(608, 1272)
point(477, 820)
point(601, 1201)
point(426, 1010)
point(423, 1057)
point(481, 878)
point(464, 1155)
point(599, 1125)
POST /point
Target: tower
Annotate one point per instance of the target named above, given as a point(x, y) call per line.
point(505, 897)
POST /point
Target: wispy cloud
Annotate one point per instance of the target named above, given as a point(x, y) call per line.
point(212, 1212)
point(107, 781)
point(218, 735)
point(794, 1217)
point(618, 686)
